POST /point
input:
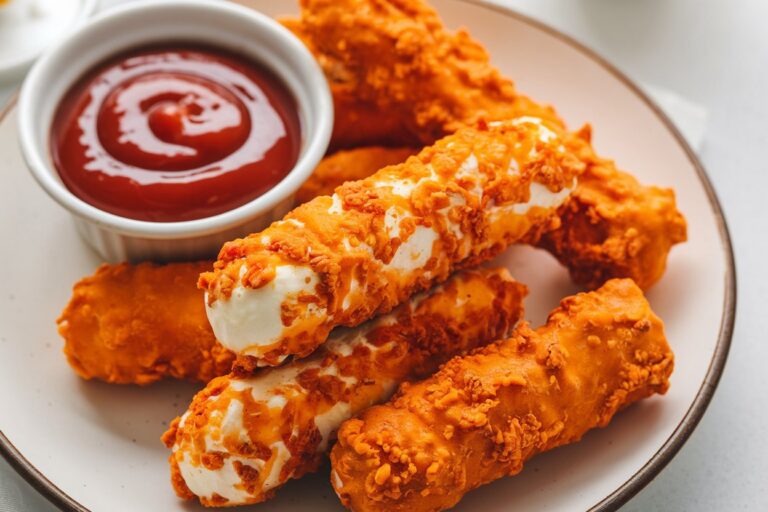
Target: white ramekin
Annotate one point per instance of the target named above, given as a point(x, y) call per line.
point(221, 24)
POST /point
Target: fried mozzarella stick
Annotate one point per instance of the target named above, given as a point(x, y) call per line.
point(136, 324)
point(482, 416)
point(410, 75)
point(340, 260)
point(242, 438)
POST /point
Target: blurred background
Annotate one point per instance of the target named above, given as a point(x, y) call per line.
point(706, 63)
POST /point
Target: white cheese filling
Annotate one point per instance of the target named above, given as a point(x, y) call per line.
point(414, 252)
point(224, 481)
point(251, 318)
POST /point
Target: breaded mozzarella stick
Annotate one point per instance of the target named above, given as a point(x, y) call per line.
point(482, 416)
point(136, 324)
point(244, 437)
point(340, 260)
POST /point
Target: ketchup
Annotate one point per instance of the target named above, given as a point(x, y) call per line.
point(175, 133)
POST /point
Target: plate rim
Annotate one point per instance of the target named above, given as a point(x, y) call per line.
point(706, 391)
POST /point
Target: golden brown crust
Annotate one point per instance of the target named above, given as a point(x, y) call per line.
point(136, 324)
point(483, 415)
point(356, 122)
point(611, 226)
point(614, 227)
point(354, 370)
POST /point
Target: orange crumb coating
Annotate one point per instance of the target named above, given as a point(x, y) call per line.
point(482, 416)
point(349, 165)
point(136, 324)
point(276, 425)
point(612, 226)
point(466, 196)
point(356, 122)
point(399, 77)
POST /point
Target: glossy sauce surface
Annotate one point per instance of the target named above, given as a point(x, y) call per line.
point(175, 133)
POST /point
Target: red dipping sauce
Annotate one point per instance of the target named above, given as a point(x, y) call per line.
point(175, 133)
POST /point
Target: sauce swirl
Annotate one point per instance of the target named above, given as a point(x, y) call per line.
point(175, 133)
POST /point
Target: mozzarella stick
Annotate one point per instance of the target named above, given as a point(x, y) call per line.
point(482, 416)
point(244, 437)
point(136, 324)
point(339, 260)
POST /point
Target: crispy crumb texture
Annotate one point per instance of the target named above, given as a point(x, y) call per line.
point(398, 77)
point(482, 416)
point(136, 324)
point(612, 227)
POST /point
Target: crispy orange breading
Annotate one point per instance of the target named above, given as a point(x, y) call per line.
point(614, 227)
point(399, 77)
point(109, 335)
point(135, 324)
point(349, 165)
point(482, 416)
point(356, 122)
point(377, 241)
point(290, 413)
point(611, 226)
point(393, 67)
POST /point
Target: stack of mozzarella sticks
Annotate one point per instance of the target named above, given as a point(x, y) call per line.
point(362, 324)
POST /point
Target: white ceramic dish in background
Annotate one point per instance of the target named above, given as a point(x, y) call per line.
point(93, 446)
point(221, 24)
point(28, 27)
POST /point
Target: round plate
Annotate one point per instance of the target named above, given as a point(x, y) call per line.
point(88, 445)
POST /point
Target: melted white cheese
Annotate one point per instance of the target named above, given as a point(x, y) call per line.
point(251, 318)
point(414, 252)
point(336, 206)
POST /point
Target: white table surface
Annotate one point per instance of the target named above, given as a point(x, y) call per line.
point(715, 54)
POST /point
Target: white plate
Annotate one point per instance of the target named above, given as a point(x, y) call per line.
point(88, 445)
